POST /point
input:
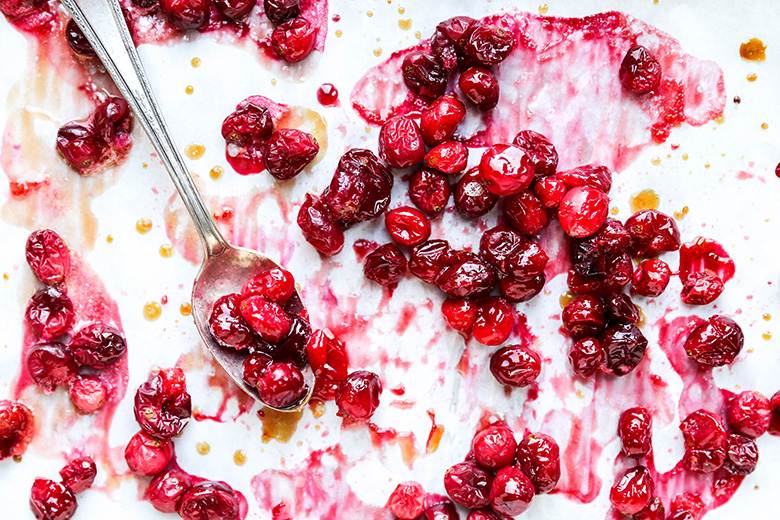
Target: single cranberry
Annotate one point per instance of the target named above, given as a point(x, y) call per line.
point(468, 278)
point(385, 265)
point(209, 501)
point(275, 285)
point(328, 95)
point(235, 9)
point(79, 474)
point(226, 324)
point(17, 9)
point(279, 11)
point(620, 309)
point(494, 447)
point(266, 318)
point(591, 256)
point(48, 256)
point(583, 211)
point(87, 394)
point(50, 365)
point(166, 490)
point(317, 227)
point(593, 175)
point(634, 430)
point(459, 314)
point(586, 355)
point(424, 75)
point(701, 288)
point(147, 455)
point(77, 41)
point(480, 86)
point(51, 500)
point(517, 291)
point(162, 404)
point(450, 39)
point(686, 506)
point(632, 491)
point(506, 169)
point(288, 152)
point(624, 346)
point(774, 426)
point(640, 71)
point(429, 190)
point(489, 44)
point(281, 385)
point(511, 492)
point(78, 145)
point(249, 123)
point(705, 255)
point(49, 313)
point(358, 396)
point(550, 191)
point(538, 455)
point(449, 157)
point(494, 321)
point(17, 426)
point(515, 365)
point(584, 316)
point(439, 122)
point(294, 39)
point(329, 361)
point(186, 14)
point(429, 259)
point(113, 123)
point(705, 441)
point(407, 501)
point(525, 212)
point(97, 345)
point(253, 367)
point(468, 485)
point(652, 233)
point(472, 198)
point(716, 342)
point(741, 455)
point(498, 243)
point(439, 507)
point(401, 143)
point(651, 278)
point(408, 226)
point(654, 511)
point(540, 150)
point(749, 414)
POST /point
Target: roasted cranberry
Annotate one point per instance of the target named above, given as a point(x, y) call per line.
point(498, 243)
point(360, 189)
point(494, 447)
point(266, 318)
point(472, 198)
point(716, 342)
point(774, 426)
point(249, 123)
point(653, 511)
point(279, 11)
point(147, 455)
point(486, 514)
point(494, 321)
point(424, 75)
point(78, 145)
point(459, 314)
point(358, 395)
point(741, 455)
point(686, 506)
point(48, 256)
point(704, 255)
point(275, 285)
point(620, 309)
point(639, 72)
point(317, 227)
point(489, 44)
point(49, 313)
point(591, 256)
point(112, 122)
point(593, 175)
point(407, 501)
point(583, 210)
point(408, 226)
point(525, 212)
point(294, 39)
point(439, 507)
point(235, 9)
point(541, 151)
point(468, 485)
point(186, 14)
point(166, 489)
point(401, 143)
point(87, 394)
point(749, 414)
point(77, 41)
point(518, 291)
point(79, 474)
point(292, 348)
point(51, 500)
point(253, 366)
point(281, 385)
point(450, 157)
point(429, 259)
point(162, 404)
point(385, 265)
point(634, 430)
point(701, 288)
point(705, 441)
point(469, 278)
point(50, 365)
point(16, 428)
point(538, 455)
point(624, 346)
point(328, 358)
point(480, 86)
point(288, 151)
point(632, 491)
point(439, 121)
point(17, 9)
point(652, 233)
point(209, 501)
point(550, 191)
point(226, 324)
point(429, 190)
point(586, 355)
point(506, 169)
point(511, 491)
point(584, 316)
point(97, 345)
point(450, 39)
point(515, 365)
point(651, 278)
point(617, 273)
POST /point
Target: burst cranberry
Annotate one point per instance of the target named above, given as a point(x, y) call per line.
point(79, 474)
point(584, 316)
point(586, 355)
point(249, 123)
point(480, 86)
point(701, 288)
point(253, 367)
point(292, 349)
point(209, 501)
point(518, 291)
point(468, 485)
point(166, 490)
point(294, 39)
point(186, 14)
point(640, 72)
point(540, 150)
point(401, 143)
point(749, 414)
point(407, 501)
point(489, 44)
point(266, 318)
point(281, 385)
point(279, 11)
point(469, 278)
point(330, 362)
point(472, 198)
point(498, 243)
point(51, 500)
point(439, 122)
point(617, 273)
point(429, 190)
point(538, 455)
point(620, 309)
point(653, 511)
point(705, 255)
point(632, 491)
point(288, 151)
point(651, 278)
point(459, 314)
point(358, 395)
point(360, 189)
point(87, 394)
point(705, 441)
point(450, 157)
point(162, 404)
point(50, 365)
point(717, 342)
point(77, 41)
point(506, 169)
point(634, 430)
point(275, 285)
point(511, 491)
point(624, 346)
point(385, 265)
point(16, 428)
point(593, 175)
point(226, 324)
point(583, 210)
point(525, 212)
point(592, 256)
point(408, 226)
point(147, 455)
point(48, 256)
point(78, 145)
point(550, 191)
point(49, 313)
point(429, 259)
point(317, 227)
point(494, 447)
point(494, 321)
point(515, 365)
point(741, 455)
point(450, 39)
point(97, 345)
point(112, 123)
point(424, 75)
point(652, 233)
point(686, 506)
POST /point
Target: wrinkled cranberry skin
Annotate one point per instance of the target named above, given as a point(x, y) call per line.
point(498, 243)
point(592, 256)
point(618, 270)
point(468, 485)
point(593, 175)
point(439, 122)
point(162, 404)
point(79, 474)
point(429, 259)
point(686, 506)
point(584, 316)
point(625, 347)
point(652, 233)
point(583, 210)
point(49, 313)
point(17, 426)
point(253, 367)
point(358, 396)
point(525, 212)
point(634, 430)
point(275, 285)
point(248, 124)
point(266, 318)
point(750, 414)
point(480, 86)
point(226, 324)
point(450, 157)
point(489, 44)
point(87, 394)
point(506, 169)
point(330, 362)
point(459, 314)
point(620, 309)
point(472, 198)
point(703, 255)
point(166, 490)
point(147, 455)
point(385, 265)
point(651, 278)
point(407, 501)
point(235, 9)
point(538, 455)
point(511, 492)
point(586, 355)
point(701, 288)
point(439, 507)
point(705, 441)
point(50, 365)
point(654, 511)
point(494, 447)
point(279, 11)
point(209, 501)
point(317, 227)
point(281, 385)
point(77, 41)
point(429, 190)
point(518, 291)
point(632, 491)
point(486, 514)
point(288, 151)
point(494, 321)
point(401, 143)
point(360, 189)
point(640, 71)
point(450, 39)
point(294, 39)
point(51, 500)
point(408, 226)
point(97, 345)
point(424, 75)
point(17, 9)
point(79, 146)
point(292, 349)
point(48, 256)
point(470, 278)
point(186, 14)
point(715, 343)
point(515, 365)
point(540, 150)
point(741, 455)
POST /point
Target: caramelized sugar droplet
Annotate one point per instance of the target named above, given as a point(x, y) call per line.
point(202, 447)
point(767, 317)
point(645, 199)
point(195, 150)
point(166, 251)
point(566, 298)
point(753, 50)
point(280, 426)
point(143, 226)
point(189, 89)
point(109, 239)
point(767, 335)
point(152, 311)
point(185, 309)
point(239, 457)
point(196, 62)
point(752, 76)
point(216, 172)
point(543, 9)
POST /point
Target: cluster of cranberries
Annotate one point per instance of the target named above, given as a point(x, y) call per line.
point(64, 357)
point(52, 500)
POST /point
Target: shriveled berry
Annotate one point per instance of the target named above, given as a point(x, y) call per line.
point(17, 425)
point(424, 75)
point(401, 142)
point(494, 321)
point(632, 491)
point(408, 226)
point(686, 506)
point(281, 385)
point(741, 455)
point(294, 39)
point(209, 500)
point(186, 14)
point(640, 71)
point(584, 316)
point(166, 490)
point(652, 233)
point(429, 259)
point(651, 278)
point(617, 273)
point(749, 414)
point(275, 285)
point(494, 447)
point(439, 122)
point(385, 265)
point(439, 507)
point(515, 365)
point(329, 361)
point(459, 314)
point(18, 9)
point(586, 355)
point(468, 485)
point(430, 191)
point(705, 441)
point(226, 324)
point(253, 367)
point(50, 365)
point(593, 175)
point(449, 157)
point(701, 288)
point(358, 396)
point(79, 474)
point(317, 227)
point(360, 189)
point(147, 455)
point(583, 211)
point(97, 345)
point(49, 313)
point(288, 151)
point(450, 39)
point(162, 404)
point(525, 212)
point(518, 291)
point(480, 86)
point(78, 145)
point(235, 9)
point(489, 44)
point(540, 150)
point(469, 278)
point(624, 346)
point(266, 318)
point(635, 432)
point(472, 198)
point(279, 11)
point(620, 309)
point(538, 455)
point(87, 394)
point(716, 342)
point(550, 191)
point(51, 500)
point(654, 511)
point(591, 256)
point(48, 256)
point(407, 501)
point(498, 243)
point(249, 123)
point(511, 491)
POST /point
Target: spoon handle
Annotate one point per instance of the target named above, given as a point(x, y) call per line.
point(104, 26)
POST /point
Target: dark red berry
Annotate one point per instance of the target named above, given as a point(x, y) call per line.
point(294, 39)
point(498, 243)
point(620, 309)
point(583, 211)
point(401, 142)
point(594, 255)
point(635, 432)
point(741, 455)
point(494, 321)
point(517, 291)
point(18, 9)
point(550, 191)
point(209, 501)
point(494, 447)
point(79, 474)
point(538, 455)
point(330, 362)
point(480, 86)
point(651, 278)
point(439, 122)
point(166, 490)
point(226, 324)
point(586, 355)
point(486, 514)
point(584, 316)
point(506, 169)
point(525, 212)
point(288, 151)
point(407, 501)
point(51, 500)
point(408, 226)
point(97, 345)
point(147, 455)
point(624, 346)
point(450, 157)
point(81, 149)
point(17, 426)
point(750, 414)
point(701, 288)
point(275, 285)
point(439, 507)
point(459, 314)
point(632, 491)
point(186, 14)
point(429, 259)
point(704, 255)
point(50, 365)
point(328, 95)
point(235, 9)
point(717, 342)
point(267, 319)
point(652, 233)
point(640, 71)
point(281, 385)
point(360, 189)
point(489, 44)
point(249, 124)
point(385, 265)
point(654, 511)
point(593, 175)
point(87, 394)
point(541, 151)
point(49, 313)
point(450, 39)
point(468, 278)
point(515, 365)
point(253, 367)
point(617, 273)
point(429, 190)
point(279, 11)
point(48, 256)
point(511, 491)
point(358, 396)
point(468, 485)
point(424, 75)
point(472, 198)
point(705, 441)
point(77, 41)
point(686, 506)
point(162, 404)
point(317, 227)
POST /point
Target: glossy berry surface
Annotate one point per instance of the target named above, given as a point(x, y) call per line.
point(468, 485)
point(480, 86)
point(620, 309)
point(79, 474)
point(401, 143)
point(525, 212)
point(51, 500)
point(625, 347)
point(424, 75)
point(511, 491)
point(429, 259)
point(494, 447)
point(439, 121)
point(652, 233)
point(467, 278)
point(281, 385)
point(517, 291)
point(50, 365)
point(538, 455)
point(701, 288)
point(583, 210)
point(640, 71)
point(318, 228)
point(87, 394)
point(165, 490)
point(550, 191)
point(358, 396)
point(407, 501)
point(716, 342)
point(294, 39)
point(209, 501)
point(450, 39)
point(17, 426)
point(266, 318)
point(506, 169)
point(472, 198)
point(584, 316)
point(162, 404)
point(494, 321)
point(632, 491)
point(489, 44)
point(226, 324)
point(705, 441)
point(408, 226)
point(526, 262)
point(497, 243)
point(430, 191)
point(586, 355)
point(541, 151)
point(186, 14)
point(97, 345)
point(750, 414)
point(253, 367)
point(147, 455)
point(329, 361)
point(515, 365)
point(439, 507)
point(288, 151)
point(250, 123)
point(235, 9)
point(385, 265)
point(741, 455)
point(360, 189)
point(459, 314)
point(593, 175)
point(450, 157)
point(654, 511)
point(276, 285)
point(49, 313)
point(48, 256)
point(635, 432)
point(279, 11)
point(651, 278)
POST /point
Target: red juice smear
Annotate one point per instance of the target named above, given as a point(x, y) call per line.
point(705, 254)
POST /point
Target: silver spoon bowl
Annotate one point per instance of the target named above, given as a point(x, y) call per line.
point(225, 268)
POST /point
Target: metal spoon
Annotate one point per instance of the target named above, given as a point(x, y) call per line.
point(225, 268)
